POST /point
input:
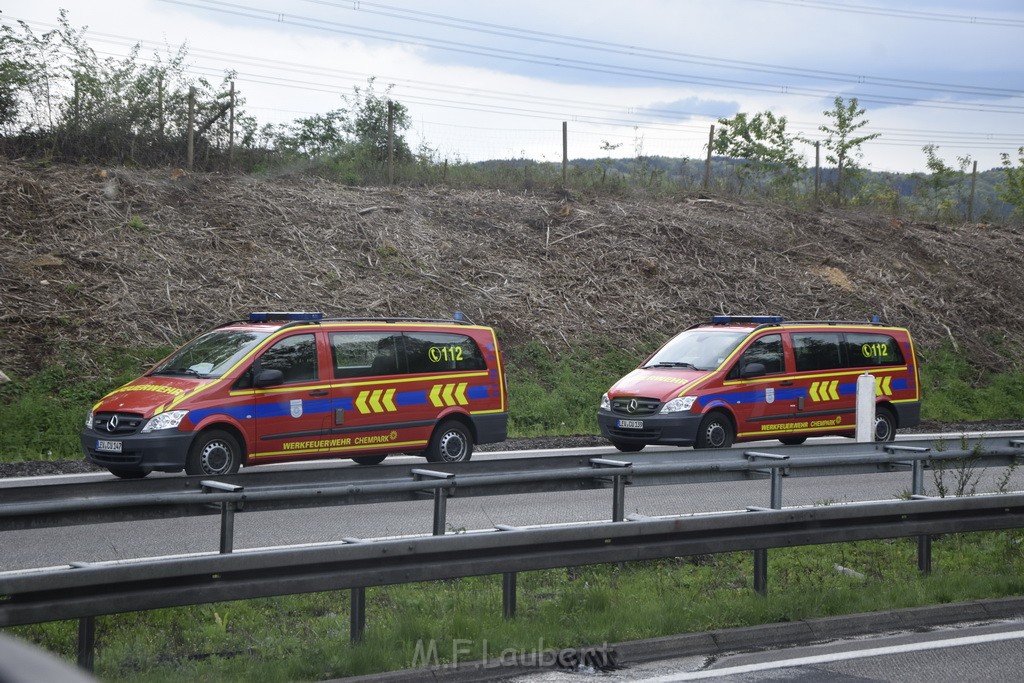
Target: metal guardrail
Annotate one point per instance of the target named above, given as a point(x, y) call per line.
point(90, 590)
point(87, 590)
point(34, 506)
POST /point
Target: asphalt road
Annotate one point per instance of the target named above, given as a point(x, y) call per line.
point(33, 548)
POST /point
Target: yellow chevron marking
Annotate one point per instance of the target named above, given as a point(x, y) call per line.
point(388, 401)
point(449, 400)
point(883, 386)
point(460, 394)
point(375, 400)
point(824, 391)
point(833, 390)
point(361, 402)
point(435, 395)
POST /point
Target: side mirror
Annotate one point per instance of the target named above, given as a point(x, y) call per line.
point(269, 378)
point(752, 370)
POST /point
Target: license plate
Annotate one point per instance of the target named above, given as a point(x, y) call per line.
point(630, 424)
point(108, 446)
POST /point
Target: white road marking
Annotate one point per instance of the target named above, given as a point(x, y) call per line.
point(836, 657)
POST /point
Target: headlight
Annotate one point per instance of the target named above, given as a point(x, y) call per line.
point(88, 420)
point(606, 403)
point(678, 405)
point(168, 420)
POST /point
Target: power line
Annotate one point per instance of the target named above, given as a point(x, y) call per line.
point(588, 66)
point(900, 13)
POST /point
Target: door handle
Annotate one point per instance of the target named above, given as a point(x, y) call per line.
point(319, 392)
point(787, 383)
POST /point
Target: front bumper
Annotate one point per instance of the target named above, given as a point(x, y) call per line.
point(164, 450)
point(673, 429)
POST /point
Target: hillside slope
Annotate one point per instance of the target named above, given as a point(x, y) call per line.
point(126, 257)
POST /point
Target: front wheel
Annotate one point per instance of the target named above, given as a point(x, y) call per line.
point(214, 453)
point(450, 443)
point(628, 447)
point(715, 431)
point(792, 440)
point(885, 425)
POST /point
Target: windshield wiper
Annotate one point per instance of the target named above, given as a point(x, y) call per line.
point(672, 364)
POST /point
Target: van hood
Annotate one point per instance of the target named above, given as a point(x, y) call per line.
point(661, 383)
point(150, 395)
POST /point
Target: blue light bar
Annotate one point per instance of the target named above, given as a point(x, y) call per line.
point(267, 316)
point(758, 319)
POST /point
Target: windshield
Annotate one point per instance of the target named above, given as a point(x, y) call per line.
point(697, 349)
point(210, 355)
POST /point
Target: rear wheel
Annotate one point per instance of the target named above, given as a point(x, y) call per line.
point(369, 459)
point(450, 443)
point(128, 474)
point(628, 447)
point(885, 425)
point(715, 431)
point(214, 452)
point(792, 440)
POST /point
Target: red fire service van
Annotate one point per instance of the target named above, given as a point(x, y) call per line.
point(745, 378)
point(296, 386)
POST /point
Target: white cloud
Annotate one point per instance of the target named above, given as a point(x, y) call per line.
point(603, 66)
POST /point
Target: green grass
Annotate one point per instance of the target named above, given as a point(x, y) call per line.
point(306, 637)
point(549, 395)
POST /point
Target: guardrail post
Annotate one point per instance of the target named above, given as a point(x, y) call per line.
point(508, 585)
point(440, 496)
point(227, 512)
point(924, 541)
point(357, 615)
point(86, 642)
point(618, 485)
point(357, 607)
point(761, 554)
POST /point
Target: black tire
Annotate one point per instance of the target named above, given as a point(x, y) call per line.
point(369, 459)
point(450, 443)
point(715, 431)
point(885, 425)
point(628, 447)
point(128, 474)
point(213, 453)
point(792, 440)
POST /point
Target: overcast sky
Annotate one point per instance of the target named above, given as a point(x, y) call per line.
point(485, 80)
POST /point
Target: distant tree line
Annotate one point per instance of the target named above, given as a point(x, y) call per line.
point(60, 101)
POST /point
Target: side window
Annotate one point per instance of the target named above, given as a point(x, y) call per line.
point(294, 356)
point(767, 350)
point(817, 351)
point(439, 352)
point(365, 354)
point(869, 350)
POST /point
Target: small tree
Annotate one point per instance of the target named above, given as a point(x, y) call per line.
point(1011, 190)
point(943, 182)
point(762, 142)
point(841, 143)
point(366, 122)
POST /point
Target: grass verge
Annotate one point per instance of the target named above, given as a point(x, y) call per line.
point(306, 637)
point(549, 395)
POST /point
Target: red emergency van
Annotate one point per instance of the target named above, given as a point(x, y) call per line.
point(296, 386)
point(745, 378)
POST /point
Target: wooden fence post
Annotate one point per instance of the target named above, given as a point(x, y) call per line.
point(707, 161)
point(191, 125)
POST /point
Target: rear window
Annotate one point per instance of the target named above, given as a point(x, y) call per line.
point(439, 352)
point(870, 350)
